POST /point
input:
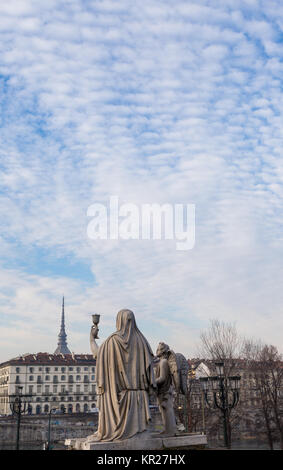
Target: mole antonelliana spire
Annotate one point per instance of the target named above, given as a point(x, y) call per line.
point(62, 347)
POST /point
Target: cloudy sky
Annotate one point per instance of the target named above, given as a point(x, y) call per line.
point(153, 102)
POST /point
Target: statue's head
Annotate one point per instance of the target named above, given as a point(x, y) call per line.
point(125, 317)
point(162, 350)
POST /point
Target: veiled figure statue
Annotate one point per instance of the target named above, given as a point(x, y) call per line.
point(124, 378)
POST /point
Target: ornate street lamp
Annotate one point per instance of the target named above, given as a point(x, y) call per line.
point(225, 391)
point(19, 405)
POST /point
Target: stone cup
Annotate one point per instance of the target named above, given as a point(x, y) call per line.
point(95, 319)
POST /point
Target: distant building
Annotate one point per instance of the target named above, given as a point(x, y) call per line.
point(54, 381)
point(62, 380)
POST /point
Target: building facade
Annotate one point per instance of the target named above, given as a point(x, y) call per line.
point(61, 381)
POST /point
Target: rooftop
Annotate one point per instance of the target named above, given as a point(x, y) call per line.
point(51, 359)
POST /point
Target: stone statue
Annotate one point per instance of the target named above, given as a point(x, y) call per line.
point(124, 378)
point(171, 372)
point(166, 374)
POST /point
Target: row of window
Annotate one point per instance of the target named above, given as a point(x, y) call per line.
point(38, 409)
point(50, 369)
point(47, 388)
point(54, 399)
point(55, 378)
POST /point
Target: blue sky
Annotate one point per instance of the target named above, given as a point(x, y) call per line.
point(154, 103)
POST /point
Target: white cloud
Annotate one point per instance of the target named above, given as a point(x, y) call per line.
point(152, 104)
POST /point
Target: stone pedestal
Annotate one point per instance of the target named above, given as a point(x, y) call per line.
point(153, 441)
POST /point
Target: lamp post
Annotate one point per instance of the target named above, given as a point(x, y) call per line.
point(225, 392)
point(202, 412)
point(19, 405)
point(52, 410)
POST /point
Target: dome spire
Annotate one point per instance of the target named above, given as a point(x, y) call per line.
point(62, 347)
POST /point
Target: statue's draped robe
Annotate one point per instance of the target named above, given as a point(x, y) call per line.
point(124, 374)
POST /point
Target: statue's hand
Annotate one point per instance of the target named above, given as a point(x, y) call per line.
point(94, 332)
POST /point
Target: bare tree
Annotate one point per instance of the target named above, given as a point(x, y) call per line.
point(265, 363)
point(222, 343)
point(252, 352)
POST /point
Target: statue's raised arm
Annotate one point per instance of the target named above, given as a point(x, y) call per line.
point(93, 344)
point(94, 335)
